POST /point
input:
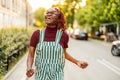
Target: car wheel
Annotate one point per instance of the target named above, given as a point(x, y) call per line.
point(86, 38)
point(115, 51)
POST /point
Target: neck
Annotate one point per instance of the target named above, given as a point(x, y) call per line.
point(51, 26)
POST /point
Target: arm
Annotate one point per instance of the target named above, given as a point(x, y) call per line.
point(33, 42)
point(69, 57)
point(30, 58)
point(81, 64)
point(30, 61)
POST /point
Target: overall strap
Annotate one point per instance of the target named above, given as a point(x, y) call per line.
point(58, 36)
point(41, 39)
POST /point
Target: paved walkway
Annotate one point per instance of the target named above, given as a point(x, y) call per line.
point(18, 71)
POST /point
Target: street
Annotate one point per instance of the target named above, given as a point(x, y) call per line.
point(102, 65)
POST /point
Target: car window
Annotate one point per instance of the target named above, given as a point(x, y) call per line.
point(82, 34)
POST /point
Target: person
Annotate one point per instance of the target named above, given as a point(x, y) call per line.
point(49, 46)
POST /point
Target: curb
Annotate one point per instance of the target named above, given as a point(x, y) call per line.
point(103, 42)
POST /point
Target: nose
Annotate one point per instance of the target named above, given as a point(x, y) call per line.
point(48, 14)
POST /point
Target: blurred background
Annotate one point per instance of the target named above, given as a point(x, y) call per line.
point(95, 23)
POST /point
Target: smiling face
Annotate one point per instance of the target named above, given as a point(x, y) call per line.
point(51, 16)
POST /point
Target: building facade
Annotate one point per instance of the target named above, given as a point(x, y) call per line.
point(15, 12)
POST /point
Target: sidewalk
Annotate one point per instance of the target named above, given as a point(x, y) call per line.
point(18, 71)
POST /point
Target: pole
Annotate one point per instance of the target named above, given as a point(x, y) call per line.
point(26, 14)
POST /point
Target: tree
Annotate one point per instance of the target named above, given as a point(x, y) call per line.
point(68, 9)
point(39, 17)
point(97, 12)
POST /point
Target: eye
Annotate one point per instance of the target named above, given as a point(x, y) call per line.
point(49, 13)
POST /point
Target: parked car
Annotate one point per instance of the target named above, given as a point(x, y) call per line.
point(77, 34)
point(115, 50)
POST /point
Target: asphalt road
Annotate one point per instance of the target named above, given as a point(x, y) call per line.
point(102, 65)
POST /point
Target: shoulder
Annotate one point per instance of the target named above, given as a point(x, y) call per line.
point(65, 34)
point(34, 38)
point(65, 39)
point(36, 31)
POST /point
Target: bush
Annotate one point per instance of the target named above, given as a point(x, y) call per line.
point(13, 40)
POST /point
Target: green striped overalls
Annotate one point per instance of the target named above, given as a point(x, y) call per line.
point(49, 59)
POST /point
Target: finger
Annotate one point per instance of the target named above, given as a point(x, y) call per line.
point(29, 73)
point(84, 66)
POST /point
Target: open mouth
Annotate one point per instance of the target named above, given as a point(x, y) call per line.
point(48, 18)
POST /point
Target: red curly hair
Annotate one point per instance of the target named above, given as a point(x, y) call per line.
point(61, 20)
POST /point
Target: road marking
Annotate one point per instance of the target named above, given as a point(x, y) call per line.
point(110, 66)
point(115, 67)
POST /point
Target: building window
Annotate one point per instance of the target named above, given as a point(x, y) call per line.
point(0, 2)
point(0, 19)
point(3, 3)
point(13, 5)
point(3, 19)
point(8, 4)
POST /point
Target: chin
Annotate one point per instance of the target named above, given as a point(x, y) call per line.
point(50, 23)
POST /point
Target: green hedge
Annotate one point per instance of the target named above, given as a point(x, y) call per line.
point(13, 40)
